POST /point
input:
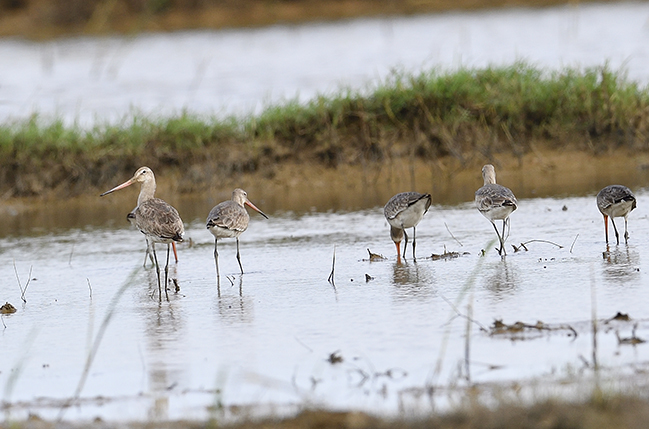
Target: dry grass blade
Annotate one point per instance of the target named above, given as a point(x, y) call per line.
point(23, 290)
point(452, 236)
point(333, 266)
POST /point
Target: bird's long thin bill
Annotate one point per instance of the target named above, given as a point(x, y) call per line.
point(117, 188)
point(251, 205)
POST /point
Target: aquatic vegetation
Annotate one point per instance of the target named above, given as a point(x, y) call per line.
point(469, 115)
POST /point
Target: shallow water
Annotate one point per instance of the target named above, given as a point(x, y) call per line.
point(88, 80)
point(266, 338)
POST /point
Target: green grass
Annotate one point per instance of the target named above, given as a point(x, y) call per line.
point(464, 114)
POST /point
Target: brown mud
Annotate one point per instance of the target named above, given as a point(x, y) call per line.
point(303, 187)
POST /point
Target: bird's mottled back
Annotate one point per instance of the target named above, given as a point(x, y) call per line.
point(615, 194)
point(493, 195)
point(229, 215)
point(402, 201)
point(158, 219)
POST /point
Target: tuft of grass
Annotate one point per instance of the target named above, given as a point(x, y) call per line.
point(466, 114)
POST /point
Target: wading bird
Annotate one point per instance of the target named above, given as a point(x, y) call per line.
point(229, 219)
point(148, 255)
point(157, 220)
point(405, 210)
point(616, 201)
point(495, 202)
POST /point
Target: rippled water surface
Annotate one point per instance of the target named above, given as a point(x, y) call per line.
point(273, 336)
point(92, 339)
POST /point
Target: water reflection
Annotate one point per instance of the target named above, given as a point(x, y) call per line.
point(165, 327)
point(235, 309)
point(502, 278)
point(621, 263)
point(412, 279)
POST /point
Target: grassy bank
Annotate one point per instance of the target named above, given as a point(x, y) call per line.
point(615, 412)
point(467, 115)
point(51, 18)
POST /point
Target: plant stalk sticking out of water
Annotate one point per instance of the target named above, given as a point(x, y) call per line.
point(23, 290)
point(333, 266)
point(95, 346)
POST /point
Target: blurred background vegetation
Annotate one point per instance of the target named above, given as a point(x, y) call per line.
point(39, 19)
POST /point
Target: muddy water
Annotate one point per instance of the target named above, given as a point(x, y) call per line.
point(87, 80)
point(281, 336)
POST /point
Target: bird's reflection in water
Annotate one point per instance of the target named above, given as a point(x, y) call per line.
point(173, 284)
point(621, 263)
point(234, 308)
point(502, 277)
point(165, 327)
point(412, 279)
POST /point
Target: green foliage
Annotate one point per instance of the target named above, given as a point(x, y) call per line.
point(429, 114)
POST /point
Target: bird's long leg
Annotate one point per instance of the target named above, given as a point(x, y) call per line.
point(148, 253)
point(500, 240)
point(626, 230)
point(216, 262)
point(504, 238)
point(173, 246)
point(414, 241)
point(167, 272)
point(617, 236)
point(405, 246)
point(239, 256)
point(157, 269)
point(606, 227)
point(507, 222)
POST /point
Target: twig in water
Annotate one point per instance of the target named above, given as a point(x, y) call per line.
point(23, 290)
point(523, 245)
point(542, 241)
point(480, 325)
point(70, 258)
point(449, 231)
point(89, 287)
point(333, 265)
point(573, 242)
point(467, 341)
point(110, 311)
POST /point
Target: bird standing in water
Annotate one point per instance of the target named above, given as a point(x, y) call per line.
point(157, 220)
point(405, 210)
point(495, 202)
point(616, 201)
point(148, 255)
point(229, 219)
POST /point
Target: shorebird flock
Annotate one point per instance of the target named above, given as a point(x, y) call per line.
point(496, 203)
point(160, 222)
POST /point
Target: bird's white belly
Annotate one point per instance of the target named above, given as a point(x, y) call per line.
point(620, 209)
point(220, 232)
point(497, 213)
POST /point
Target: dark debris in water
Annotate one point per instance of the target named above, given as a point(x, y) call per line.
point(368, 278)
point(517, 329)
point(619, 316)
point(335, 357)
point(375, 257)
point(7, 309)
point(447, 255)
point(632, 340)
